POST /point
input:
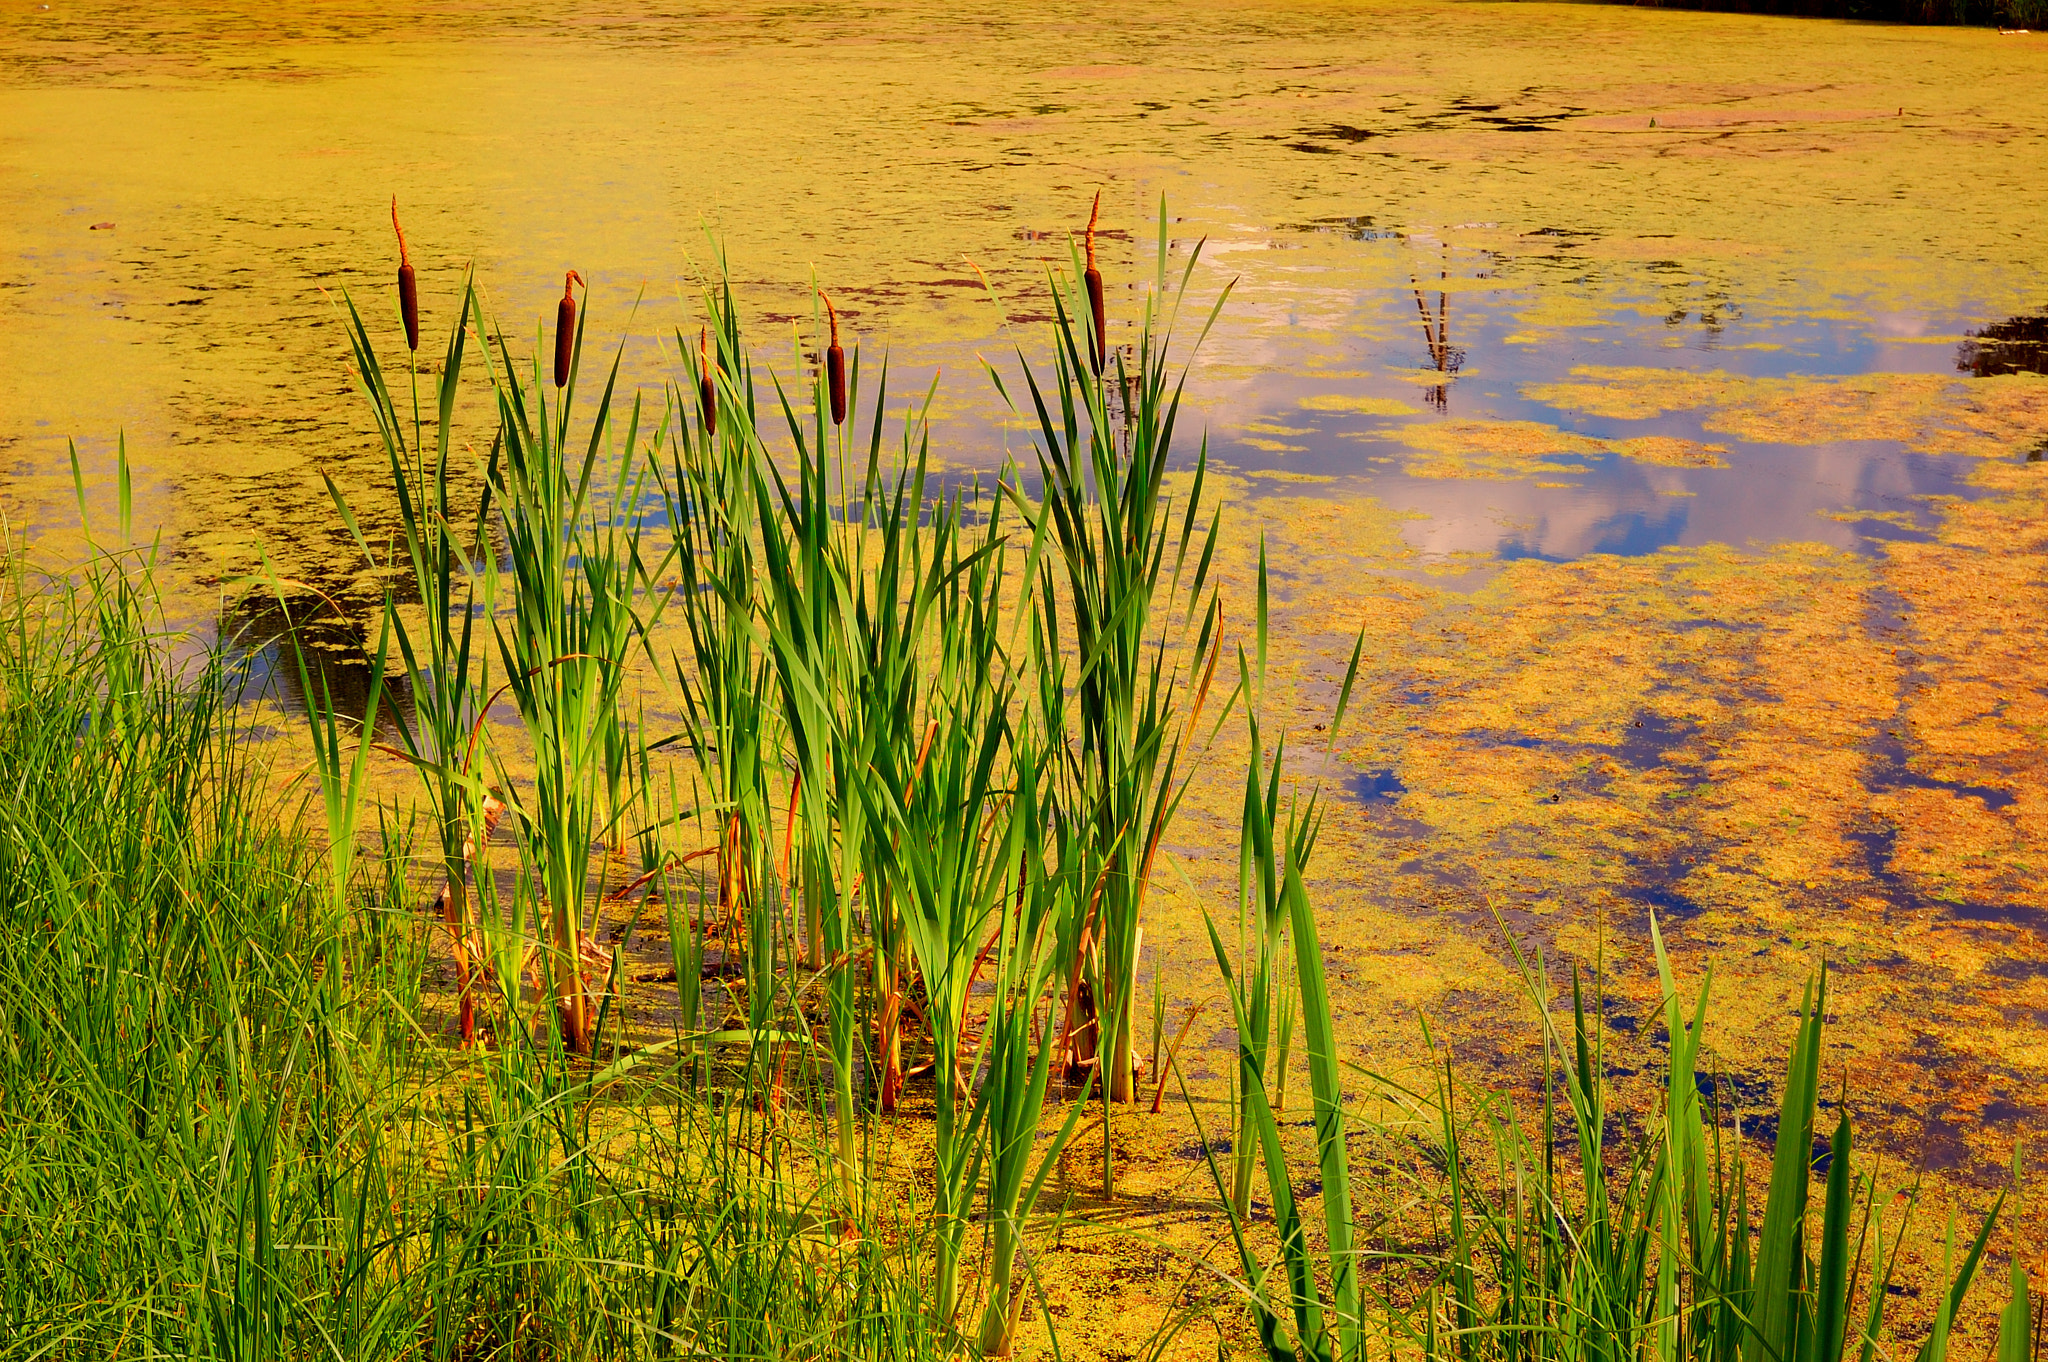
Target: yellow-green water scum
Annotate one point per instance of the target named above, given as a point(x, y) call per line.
point(1698, 578)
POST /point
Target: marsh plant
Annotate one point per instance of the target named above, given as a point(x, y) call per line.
point(1135, 605)
point(893, 762)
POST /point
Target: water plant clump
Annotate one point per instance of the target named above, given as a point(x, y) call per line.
point(895, 765)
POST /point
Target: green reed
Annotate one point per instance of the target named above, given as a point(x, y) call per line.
point(1105, 444)
point(447, 673)
point(575, 568)
point(814, 542)
point(726, 681)
point(1273, 905)
point(1649, 1251)
point(1017, 1073)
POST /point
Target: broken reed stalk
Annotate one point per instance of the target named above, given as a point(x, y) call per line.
point(1092, 277)
point(707, 387)
point(408, 286)
point(835, 367)
point(565, 328)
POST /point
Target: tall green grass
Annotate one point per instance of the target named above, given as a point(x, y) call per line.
point(223, 1133)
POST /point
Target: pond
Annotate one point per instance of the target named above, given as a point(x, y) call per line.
point(1662, 390)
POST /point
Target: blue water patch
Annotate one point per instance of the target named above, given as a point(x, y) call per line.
point(1376, 783)
point(1458, 352)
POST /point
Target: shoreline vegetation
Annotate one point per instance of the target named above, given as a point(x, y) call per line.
point(2005, 14)
point(923, 747)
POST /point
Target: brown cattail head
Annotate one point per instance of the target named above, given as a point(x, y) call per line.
point(408, 287)
point(835, 367)
point(1093, 278)
point(707, 388)
point(565, 329)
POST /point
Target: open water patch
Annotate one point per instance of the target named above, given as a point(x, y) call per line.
point(1379, 783)
point(1434, 396)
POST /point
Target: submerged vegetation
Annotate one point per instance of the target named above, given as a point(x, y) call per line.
point(911, 771)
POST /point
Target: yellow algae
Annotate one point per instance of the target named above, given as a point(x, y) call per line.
point(1288, 475)
point(1990, 417)
point(1492, 449)
point(1934, 413)
point(1633, 393)
point(265, 197)
point(1358, 405)
point(1669, 451)
point(1819, 411)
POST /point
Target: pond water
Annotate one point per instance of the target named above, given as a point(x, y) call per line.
point(1428, 208)
point(1660, 388)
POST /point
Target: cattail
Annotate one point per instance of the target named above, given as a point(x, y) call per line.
point(835, 368)
point(707, 390)
point(1093, 278)
point(408, 287)
point(565, 329)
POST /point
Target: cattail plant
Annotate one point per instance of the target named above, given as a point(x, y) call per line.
point(1125, 552)
point(813, 563)
point(724, 679)
point(851, 579)
point(565, 329)
point(949, 845)
point(1020, 1047)
point(1092, 278)
point(835, 367)
point(408, 286)
point(445, 671)
point(574, 562)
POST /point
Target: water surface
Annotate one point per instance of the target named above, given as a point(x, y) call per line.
point(1397, 189)
point(1654, 386)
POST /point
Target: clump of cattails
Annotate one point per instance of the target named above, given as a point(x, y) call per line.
point(707, 388)
point(835, 367)
point(408, 286)
point(1093, 278)
point(565, 329)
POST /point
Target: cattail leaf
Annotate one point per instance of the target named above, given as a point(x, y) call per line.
point(1935, 1348)
point(1831, 1281)
point(1344, 691)
point(2016, 1322)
